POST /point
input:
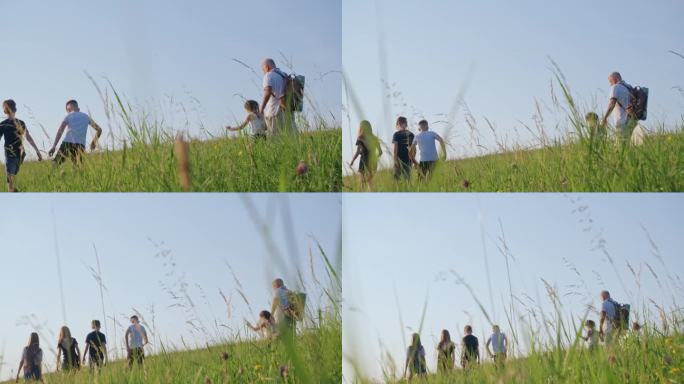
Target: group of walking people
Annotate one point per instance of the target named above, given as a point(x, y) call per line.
point(496, 347)
point(69, 357)
point(409, 151)
point(74, 127)
point(614, 318)
point(282, 96)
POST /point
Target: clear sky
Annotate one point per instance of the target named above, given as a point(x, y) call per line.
point(498, 52)
point(411, 243)
point(173, 58)
point(150, 246)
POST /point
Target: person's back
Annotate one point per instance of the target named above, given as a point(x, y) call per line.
point(12, 130)
point(136, 335)
point(77, 127)
point(276, 80)
point(257, 125)
point(498, 343)
point(445, 356)
point(32, 358)
point(471, 348)
point(95, 341)
point(427, 146)
point(416, 357)
point(69, 349)
point(403, 139)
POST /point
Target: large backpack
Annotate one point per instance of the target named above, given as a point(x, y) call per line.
point(293, 100)
point(638, 102)
point(621, 320)
point(297, 304)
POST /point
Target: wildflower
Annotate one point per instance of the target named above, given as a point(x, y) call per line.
point(257, 367)
point(207, 380)
point(302, 168)
point(466, 184)
point(224, 356)
point(284, 371)
point(667, 360)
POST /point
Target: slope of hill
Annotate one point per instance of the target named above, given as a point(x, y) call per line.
point(221, 165)
point(314, 357)
point(580, 166)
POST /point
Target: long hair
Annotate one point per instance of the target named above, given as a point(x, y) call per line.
point(65, 338)
point(415, 341)
point(446, 339)
point(365, 130)
point(33, 340)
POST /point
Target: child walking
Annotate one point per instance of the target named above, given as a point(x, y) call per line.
point(254, 122)
point(591, 336)
point(266, 325)
point(14, 130)
point(368, 148)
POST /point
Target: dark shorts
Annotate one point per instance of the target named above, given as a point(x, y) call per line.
point(71, 151)
point(426, 167)
point(402, 170)
point(32, 373)
point(13, 163)
point(96, 361)
point(136, 355)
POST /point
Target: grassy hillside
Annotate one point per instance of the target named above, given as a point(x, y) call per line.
point(314, 357)
point(582, 165)
point(226, 165)
point(649, 358)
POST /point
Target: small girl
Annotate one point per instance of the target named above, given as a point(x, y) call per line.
point(368, 147)
point(32, 360)
point(254, 120)
point(591, 336)
point(266, 325)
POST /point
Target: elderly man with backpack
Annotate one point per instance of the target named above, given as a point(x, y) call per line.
point(283, 95)
point(626, 106)
point(614, 318)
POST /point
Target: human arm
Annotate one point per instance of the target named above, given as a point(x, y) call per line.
point(395, 153)
point(603, 319)
point(98, 133)
point(21, 365)
point(505, 346)
point(241, 126)
point(442, 144)
point(126, 337)
point(60, 131)
point(359, 150)
point(611, 106)
point(85, 351)
point(253, 327)
point(33, 145)
point(103, 348)
point(268, 92)
point(145, 340)
point(489, 352)
point(412, 153)
point(59, 354)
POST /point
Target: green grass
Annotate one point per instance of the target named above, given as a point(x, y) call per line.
point(225, 165)
point(582, 165)
point(649, 358)
point(318, 354)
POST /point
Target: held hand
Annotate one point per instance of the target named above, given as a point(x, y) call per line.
point(51, 151)
point(40, 157)
point(93, 145)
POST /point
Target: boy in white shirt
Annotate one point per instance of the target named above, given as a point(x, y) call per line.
point(76, 125)
point(425, 141)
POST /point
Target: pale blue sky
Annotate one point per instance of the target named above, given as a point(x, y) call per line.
point(156, 50)
point(412, 242)
point(499, 51)
point(203, 232)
